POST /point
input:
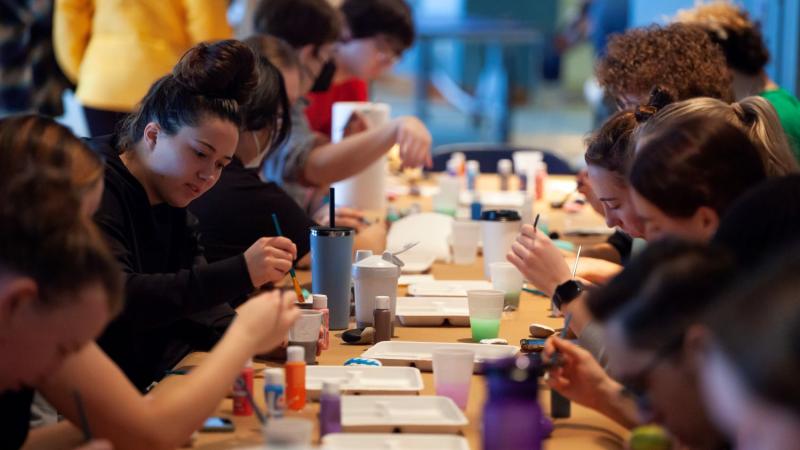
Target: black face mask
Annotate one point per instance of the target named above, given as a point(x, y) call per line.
point(325, 77)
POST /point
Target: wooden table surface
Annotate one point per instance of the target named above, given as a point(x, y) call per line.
point(584, 430)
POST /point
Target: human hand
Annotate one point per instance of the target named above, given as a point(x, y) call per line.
point(269, 259)
point(539, 260)
point(579, 377)
point(414, 140)
point(265, 319)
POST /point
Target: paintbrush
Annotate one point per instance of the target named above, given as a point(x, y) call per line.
point(87, 432)
point(260, 414)
point(297, 289)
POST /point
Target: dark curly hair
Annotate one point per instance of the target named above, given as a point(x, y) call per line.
point(731, 28)
point(680, 57)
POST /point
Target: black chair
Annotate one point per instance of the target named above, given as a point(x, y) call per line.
point(488, 154)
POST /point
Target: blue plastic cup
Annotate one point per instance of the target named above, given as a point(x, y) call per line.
point(331, 262)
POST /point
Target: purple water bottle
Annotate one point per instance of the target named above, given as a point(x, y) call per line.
point(512, 417)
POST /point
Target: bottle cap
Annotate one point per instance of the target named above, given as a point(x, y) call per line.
point(274, 375)
point(330, 388)
point(249, 363)
point(473, 166)
point(382, 302)
point(295, 353)
point(320, 301)
point(504, 166)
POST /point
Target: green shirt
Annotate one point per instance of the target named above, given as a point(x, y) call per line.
point(788, 108)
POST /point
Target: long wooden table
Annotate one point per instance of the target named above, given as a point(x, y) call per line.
point(584, 430)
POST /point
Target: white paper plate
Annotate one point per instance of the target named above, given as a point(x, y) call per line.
point(433, 311)
point(365, 380)
point(378, 441)
point(418, 354)
point(386, 414)
point(447, 288)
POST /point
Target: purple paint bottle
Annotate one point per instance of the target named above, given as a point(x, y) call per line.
point(512, 417)
point(330, 409)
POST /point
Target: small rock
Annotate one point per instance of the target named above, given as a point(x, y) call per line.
point(541, 331)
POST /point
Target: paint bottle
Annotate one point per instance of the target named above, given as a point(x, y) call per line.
point(382, 319)
point(243, 385)
point(541, 180)
point(473, 172)
point(274, 392)
point(321, 304)
point(330, 409)
point(504, 172)
point(295, 378)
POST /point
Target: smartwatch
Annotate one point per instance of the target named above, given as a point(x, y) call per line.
point(567, 292)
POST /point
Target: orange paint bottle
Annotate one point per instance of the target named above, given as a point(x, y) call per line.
point(295, 378)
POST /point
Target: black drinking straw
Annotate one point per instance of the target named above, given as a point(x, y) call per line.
point(332, 206)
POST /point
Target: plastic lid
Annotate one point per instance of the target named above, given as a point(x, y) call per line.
point(376, 265)
point(319, 301)
point(382, 302)
point(295, 353)
point(331, 388)
point(500, 215)
point(458, 156)
point(332, 231)
point(504, 166)
point(275, 375)
point(473, 165)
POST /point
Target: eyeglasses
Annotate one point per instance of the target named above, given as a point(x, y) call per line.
point(636, 386)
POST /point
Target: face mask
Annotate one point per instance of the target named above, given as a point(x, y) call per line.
point(325, 77)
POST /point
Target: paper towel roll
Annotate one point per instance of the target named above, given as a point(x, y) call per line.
point(367, 190)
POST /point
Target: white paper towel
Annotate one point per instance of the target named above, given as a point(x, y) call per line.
point(367, 190)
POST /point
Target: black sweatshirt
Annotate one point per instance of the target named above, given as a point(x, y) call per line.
point(174, 298)
point(15, 414)
point(238, 210)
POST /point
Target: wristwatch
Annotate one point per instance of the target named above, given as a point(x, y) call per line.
point(567, 292)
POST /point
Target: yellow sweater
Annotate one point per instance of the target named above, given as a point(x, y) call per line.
point(115, 49)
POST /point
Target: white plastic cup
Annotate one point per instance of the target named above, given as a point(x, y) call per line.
point(485, 311)
point(506, 278)
point(499, 230)
point(288, 433)
point(452, 373)
point(464, 240)
point(305, 333)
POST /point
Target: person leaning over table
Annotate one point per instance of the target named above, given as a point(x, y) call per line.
point(57, 274)
point(167, 154)
point(746, 54)
point(684, 176)
point(239, 208)
point(375, 35)
point(652, 315)
point(751, 391)
point(307, 162)
point(678, 58)
point(90, 36)
point(752, 232)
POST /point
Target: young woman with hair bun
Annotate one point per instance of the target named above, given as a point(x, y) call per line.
point(168, 153)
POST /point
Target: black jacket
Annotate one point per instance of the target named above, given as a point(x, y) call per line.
point(174, 298)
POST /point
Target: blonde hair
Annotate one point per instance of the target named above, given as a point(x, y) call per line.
point(753, 115)
point(719, 17)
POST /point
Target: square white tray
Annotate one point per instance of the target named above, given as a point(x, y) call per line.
point(380, 441)
point(447, 288)
point(418, 354)
point(387, 414)
point(432, 311)
point(406, 280)
point(365, 380)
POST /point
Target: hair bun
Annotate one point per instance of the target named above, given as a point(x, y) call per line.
point(660, 97)
point(221, 69)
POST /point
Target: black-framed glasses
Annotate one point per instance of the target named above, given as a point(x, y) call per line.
point(636, 386)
